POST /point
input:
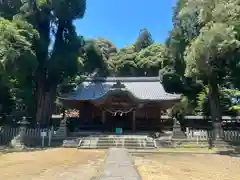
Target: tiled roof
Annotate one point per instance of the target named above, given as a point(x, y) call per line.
point(142, 88)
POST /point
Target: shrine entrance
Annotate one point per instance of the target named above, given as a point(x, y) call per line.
point(119, 120)
point(119, 112)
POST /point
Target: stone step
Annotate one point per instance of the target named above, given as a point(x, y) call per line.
point(123, 142)
point(107, 142)
point(107, 147)
point(113, 144)
point(70, 143)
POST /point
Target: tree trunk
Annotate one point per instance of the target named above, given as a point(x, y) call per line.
point(45, 99)
point(215, 107)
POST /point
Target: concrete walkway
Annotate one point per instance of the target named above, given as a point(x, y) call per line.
point(119, 166)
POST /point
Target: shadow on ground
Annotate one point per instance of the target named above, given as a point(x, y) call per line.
point(233, 153)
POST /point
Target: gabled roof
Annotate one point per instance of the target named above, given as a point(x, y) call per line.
point(141, 88)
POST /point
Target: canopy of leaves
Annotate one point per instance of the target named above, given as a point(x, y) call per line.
point(93, 58)
point(107, 47)
point(9, 8)
point(155, 55)
point(16, 50)
point(208, 51)
point(205, 42)
point(124, 61)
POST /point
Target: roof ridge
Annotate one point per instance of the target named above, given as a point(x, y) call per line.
point(124, 79)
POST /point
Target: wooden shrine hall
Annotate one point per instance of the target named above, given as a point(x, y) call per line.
point(130, 103)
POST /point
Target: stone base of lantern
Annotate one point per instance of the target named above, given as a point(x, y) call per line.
point(17, 143)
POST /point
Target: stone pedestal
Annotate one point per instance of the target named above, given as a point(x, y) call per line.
point(18, 141)
point(62, 130)
point(178, 134)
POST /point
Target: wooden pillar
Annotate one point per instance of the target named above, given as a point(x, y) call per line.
point(161, 121)
point(103, 120)
point(64, 113)
point(103, 117)
point(134, 121)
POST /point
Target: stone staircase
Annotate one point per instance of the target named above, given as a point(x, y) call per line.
point(109, 141)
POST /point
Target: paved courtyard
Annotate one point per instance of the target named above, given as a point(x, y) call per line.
point(119, 166)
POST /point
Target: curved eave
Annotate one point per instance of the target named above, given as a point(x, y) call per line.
point(133, 96)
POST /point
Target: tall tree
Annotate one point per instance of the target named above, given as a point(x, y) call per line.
point(206, 58)
point(144, 40)
point(205, 41)
point(57, 49)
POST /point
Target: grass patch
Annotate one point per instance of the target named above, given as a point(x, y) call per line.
point(58, 163)
point(192, 166)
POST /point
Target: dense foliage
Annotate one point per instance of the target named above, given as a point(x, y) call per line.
point(40, 52)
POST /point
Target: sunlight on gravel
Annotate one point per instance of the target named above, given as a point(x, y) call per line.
point(53, 164)
point(186, 166)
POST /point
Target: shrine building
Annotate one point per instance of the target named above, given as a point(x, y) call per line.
point(130, 103)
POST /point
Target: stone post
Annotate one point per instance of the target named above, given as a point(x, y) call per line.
point(217, 130)
point(218, 140)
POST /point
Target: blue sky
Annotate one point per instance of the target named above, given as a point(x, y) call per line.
point(121, 20)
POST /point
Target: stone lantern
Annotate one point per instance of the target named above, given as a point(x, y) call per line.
point(178, 134)
point(18, 141)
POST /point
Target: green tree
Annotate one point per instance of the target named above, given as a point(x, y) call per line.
point(123, 63)
point(206, 58)
point(93, 59)
point(18, 62)
point(144, 40)
point(56, 51)
point(151, 59)
point(107, 47)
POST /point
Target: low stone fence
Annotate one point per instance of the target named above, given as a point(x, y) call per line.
point(204, 135)
point(31, 135)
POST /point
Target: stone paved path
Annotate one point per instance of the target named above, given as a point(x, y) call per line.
point(119, 166)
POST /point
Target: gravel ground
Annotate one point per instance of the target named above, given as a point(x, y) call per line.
point(177, 166)
point(53, 164)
